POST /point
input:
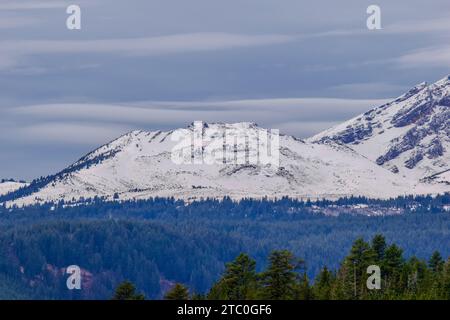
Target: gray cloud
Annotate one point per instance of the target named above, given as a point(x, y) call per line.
point(366, 89)
point(146, 46)
point(65, 92)
point(170, 44)
point(438, 27)
point(32, 5)
point(9, 22)
point(68, 133)
point(426, 57)
point(83, 119)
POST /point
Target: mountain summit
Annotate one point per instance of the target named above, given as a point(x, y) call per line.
point(409, 136)
point(399, 148)
point(140, 165)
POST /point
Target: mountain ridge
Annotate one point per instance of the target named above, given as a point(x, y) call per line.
point(410, 132)
point(399, 148)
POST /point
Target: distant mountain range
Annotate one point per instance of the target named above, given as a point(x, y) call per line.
point(400, 148)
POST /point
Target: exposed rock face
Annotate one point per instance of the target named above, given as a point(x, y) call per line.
point(410, 135)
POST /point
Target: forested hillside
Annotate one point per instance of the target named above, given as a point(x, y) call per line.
point(160, 242)
point(371, 270)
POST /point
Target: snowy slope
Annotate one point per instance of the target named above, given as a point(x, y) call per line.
point(138, 165)
point(409, 136)
point(439, 178)
point(402, 147)
point(9, 186)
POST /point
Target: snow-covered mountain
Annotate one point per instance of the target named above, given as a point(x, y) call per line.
point(139, 165)
point(399, 148)
point(7, 186)
point(409, 136)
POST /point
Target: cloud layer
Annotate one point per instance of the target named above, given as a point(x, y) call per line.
point(161, 64)
point(87, 124)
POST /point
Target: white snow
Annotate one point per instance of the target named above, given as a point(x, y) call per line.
point(385, 135)
point(10, 186)
point(141, 167)
point(138, 165)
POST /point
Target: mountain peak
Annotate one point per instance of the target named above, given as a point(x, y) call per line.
point(420, 86)
point(445, 80)
point(409, 135)
point(442, 87)
point(236, 125)
point(402, 147)
point(140, 165)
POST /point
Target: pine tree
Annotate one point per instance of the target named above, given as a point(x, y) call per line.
point(238, 281)
point(279, 280)
point(178, 292)
point(303, 290)
point(444, 281)
point(353, 273)
point(127, 291)
point(323, 285)
point(436, 262)
point(414, 279)
point(437, 276)
point(392, 266)
point(379, 246)
point(198, 296)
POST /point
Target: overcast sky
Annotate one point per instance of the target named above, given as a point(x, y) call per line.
point(294, 65)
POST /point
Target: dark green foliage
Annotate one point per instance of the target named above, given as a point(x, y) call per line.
point(168, 241)
point(323, 285)
point(444, 282)
point(303, 290)
point(178, 292)
point(13, 289)
point(392, 269)
point(352, 275)
point(436, 262)
point(400, 279)
point(379, 246)
point(127, 291)
point(238, 281)
point(111, 252)
point(279, 280)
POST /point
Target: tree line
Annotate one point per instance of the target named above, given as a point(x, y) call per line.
point(285, 278)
